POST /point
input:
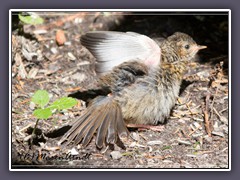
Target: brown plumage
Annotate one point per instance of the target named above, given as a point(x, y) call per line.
point(143, 88)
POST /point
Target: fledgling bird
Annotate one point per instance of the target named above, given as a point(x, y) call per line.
point(144, 80)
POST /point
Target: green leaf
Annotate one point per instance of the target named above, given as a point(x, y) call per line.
point(33, 20)
point(166, 147)
point(41, 98)
point(128, 154)
point(42, 113)
point(63, 103)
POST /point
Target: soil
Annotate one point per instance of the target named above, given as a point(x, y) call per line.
point(194, 136)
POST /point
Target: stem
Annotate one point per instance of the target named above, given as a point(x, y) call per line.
point(33, 132)
point(35, 127)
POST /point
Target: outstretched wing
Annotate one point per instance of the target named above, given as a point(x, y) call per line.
point(104, 115)
point(112, 48)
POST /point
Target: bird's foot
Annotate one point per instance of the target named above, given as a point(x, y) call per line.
point(144, 127)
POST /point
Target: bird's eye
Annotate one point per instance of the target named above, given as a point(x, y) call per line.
point(187, 46)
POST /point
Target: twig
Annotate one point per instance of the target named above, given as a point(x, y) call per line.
point(158, 157)
point(221, 118)
point(73, 89)
point(213, 101)
point(184, 133)
point(206, 115)
point(22, 119)
point(204, 152)
point(189, 109)
point(216, 112)
point(194, 131)
point(223, 110)
point(24, 128)
point(25, 101)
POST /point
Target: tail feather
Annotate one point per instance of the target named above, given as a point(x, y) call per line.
point(112, 129)
point(84, 129)
point(121, 127)
point(76, 128)
point(104, 115)
point(89, 125)
point(93, 127)
point(102, 131)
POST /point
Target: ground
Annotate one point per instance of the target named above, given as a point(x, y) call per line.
point(195, 135)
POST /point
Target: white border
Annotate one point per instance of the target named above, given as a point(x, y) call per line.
point(120, 10)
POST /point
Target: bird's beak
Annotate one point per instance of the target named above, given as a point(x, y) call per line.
point(201, 47)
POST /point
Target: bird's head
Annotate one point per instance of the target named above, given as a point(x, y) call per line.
point(182, 47)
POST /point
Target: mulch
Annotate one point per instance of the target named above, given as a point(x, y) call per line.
point(50, 57)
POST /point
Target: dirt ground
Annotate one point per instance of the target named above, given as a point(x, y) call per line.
point(195, 135)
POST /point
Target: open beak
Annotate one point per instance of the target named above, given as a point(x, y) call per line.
point(201, 47)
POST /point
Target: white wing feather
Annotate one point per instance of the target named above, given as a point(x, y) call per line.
point(113, 48)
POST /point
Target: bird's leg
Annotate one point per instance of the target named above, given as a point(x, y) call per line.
point(144, 126)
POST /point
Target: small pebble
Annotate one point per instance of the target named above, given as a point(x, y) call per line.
point(197, 125)
point(17, 128)
point(188, 166)
point(68, 43)
point(78, 20)
point(167, 161)
point(181, 121)
point(40, 31)
point(151, 143)
point(80, 77)
point(54, 50)
point(135, 136)
point(184, 142)
point(53, 67)
point(191, 155)
point(116, 155)
point(60, 37)
point(83, 63)
point(208, 139)
point(150, 162)
point(32, 73)
point(32, 105)
point(215, 126)
point(74, 152)
point(133, 144)
point(71, 163)
point(224, 128)
point(140, 161)
point(203, 74)
point(27, 138)
point(224, 119)
point(71, 56)
point(197, 135)
point(64, 118)
point(198, 119)
point(218, 133)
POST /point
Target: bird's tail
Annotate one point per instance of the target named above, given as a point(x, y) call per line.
point(103, 116)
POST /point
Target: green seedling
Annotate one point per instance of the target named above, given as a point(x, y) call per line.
point(43, 112)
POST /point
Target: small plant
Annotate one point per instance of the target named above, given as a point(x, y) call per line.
point(32, 19)
point(166, 147)
point(41, 99)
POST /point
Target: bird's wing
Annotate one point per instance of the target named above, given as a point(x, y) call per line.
point(123, 76)
point(104, 115)
point(113, 48)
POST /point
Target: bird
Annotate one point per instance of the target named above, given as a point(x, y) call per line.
point(143, 78)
